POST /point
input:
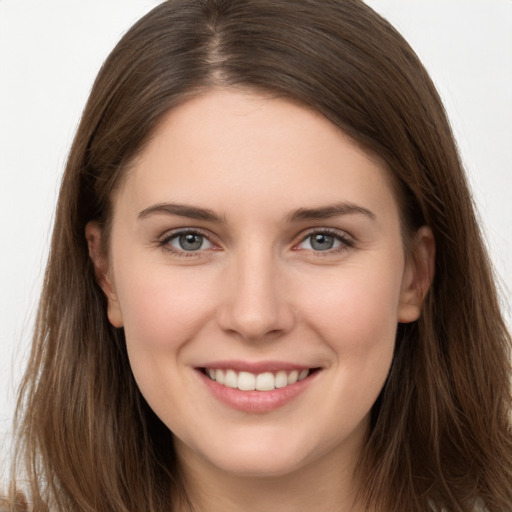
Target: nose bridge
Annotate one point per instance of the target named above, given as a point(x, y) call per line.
point(256, 305)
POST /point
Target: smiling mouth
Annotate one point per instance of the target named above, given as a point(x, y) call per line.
point(266, 381)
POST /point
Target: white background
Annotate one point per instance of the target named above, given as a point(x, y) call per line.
point(51, 50)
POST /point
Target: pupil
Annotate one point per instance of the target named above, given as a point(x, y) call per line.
point(322, 242)
point(190, 242)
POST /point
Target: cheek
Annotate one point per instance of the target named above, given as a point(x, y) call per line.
point(362, 333)
point(163, 309)
point(355, 314)
point(357, 308)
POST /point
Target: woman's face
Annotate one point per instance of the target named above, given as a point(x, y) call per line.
point(253, 244)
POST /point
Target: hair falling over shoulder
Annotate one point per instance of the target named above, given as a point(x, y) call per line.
point(441, 435)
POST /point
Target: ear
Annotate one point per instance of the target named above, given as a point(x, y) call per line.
point(418, 275)
point(102, 272)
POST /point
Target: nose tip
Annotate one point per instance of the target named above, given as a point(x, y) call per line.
point(253, 325)
point(256, 309)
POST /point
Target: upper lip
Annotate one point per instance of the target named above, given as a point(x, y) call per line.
point(255, 367)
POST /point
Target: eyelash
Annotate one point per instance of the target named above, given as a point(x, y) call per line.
point(165, 242)
point(346, 242)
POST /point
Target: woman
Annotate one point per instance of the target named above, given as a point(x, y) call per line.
point(258, 292)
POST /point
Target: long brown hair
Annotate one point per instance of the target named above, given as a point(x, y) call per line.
point(441, 432)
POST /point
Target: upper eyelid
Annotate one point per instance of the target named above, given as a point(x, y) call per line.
point(171, 233)
point(331, 231)
point(167, 236)
point(339, 233)
point(347, 242)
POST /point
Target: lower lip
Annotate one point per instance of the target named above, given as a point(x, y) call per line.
point(257, 401)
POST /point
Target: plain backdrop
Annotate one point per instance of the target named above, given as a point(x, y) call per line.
point(51, 50)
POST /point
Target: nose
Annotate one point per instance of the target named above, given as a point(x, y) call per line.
point(255, 305)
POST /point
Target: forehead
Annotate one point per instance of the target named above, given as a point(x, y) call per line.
point(228, 148)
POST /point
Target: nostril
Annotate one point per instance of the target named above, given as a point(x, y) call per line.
point(255, 324)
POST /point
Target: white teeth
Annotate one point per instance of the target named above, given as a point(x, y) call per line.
point(246, 381)
point(281, 379)
point(303, 374)
point(292, 378)
point(265, 382)
point(230, 379)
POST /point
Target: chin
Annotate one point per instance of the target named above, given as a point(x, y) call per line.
point(260, 455)
point(259, 465)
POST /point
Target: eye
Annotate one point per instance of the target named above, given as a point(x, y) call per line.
point(188, 242)
point(321, 241)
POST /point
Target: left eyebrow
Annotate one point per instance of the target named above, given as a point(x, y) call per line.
point(326, 212)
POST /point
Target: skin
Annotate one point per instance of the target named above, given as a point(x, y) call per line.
point(257, 290)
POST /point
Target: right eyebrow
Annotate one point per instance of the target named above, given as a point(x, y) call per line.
point(181, 210)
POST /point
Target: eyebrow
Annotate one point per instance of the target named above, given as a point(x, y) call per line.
point(205, 214)
point(182, 210)
point(326, 212)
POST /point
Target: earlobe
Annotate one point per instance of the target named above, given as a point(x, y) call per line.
point(418, 275)
point(102, 272)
